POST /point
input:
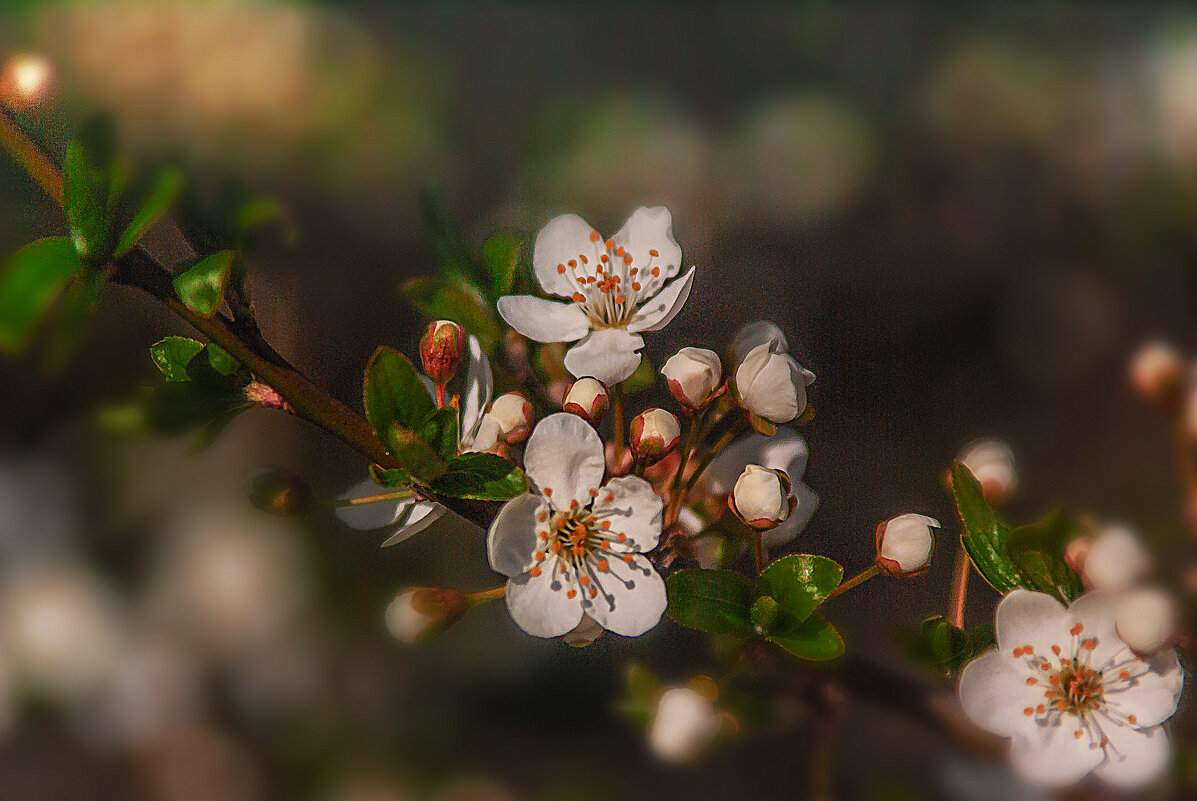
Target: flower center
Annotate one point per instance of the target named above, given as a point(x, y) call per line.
point(611, 289)
point(577, 545)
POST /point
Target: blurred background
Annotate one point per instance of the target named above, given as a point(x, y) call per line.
point(965, 220)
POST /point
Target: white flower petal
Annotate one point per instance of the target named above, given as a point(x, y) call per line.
point(634, 510)
point(485, 438)
point(563, 238)
point(792, 526)
point(544, 320)
point(609, 354)
point(538, 605)
point(479, 387)
point(1095, 612)
point(646, 230)
point(631, 597)
point(656, 312)
point(1153, 694)
point(994, 692)
point(413, 520)
point(511, 540)
point(565, 456)
point(1134, 756)
point(370, 516)
point(1030, 618)
point(1051, 756)
point(772, 384)
point(753, 336)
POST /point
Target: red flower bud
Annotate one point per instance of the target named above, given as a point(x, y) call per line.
point(441, 349)
point(654, 433)
point(588, 398)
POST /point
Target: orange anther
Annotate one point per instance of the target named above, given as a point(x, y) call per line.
point(603, 258)
point(556, 547)
point(594, 236)
point(1028, 650)
point(547, 491)
point(1077, 629)
point(1055, 679)
point(1124, 675)
point(573, 504)
point(544, 535)
point(627, 557)
point(603, 565)
point(1132, 720)
point(1028, 711)
point(627, 261)
point(621, 299)
point(585, 260)
point(620, 252)
point(1089, 645)
point(1061, 704)
point(579, 297)
point(571, 594)
point(1017, 653)
point(1032, 680)
point(635, 286)
point(578, 550)
point(610, 243)
point(654, 253)
point(593, 592)
point(593, 493)
point(572, 263)
point(1077, 734)
point(535, 571)
point(543, 516)
point(610, 497)
point(1056, 650)
point(584, 580)
point(621, 537)
point(540, 555)
point(656, 271)
point(632, 272)
point(1039, 710)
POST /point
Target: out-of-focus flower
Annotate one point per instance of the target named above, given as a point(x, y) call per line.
point(25, 79)
point(61, 629)
point(905, 544)
point(421, 614)
point(786, 450)
point(1157, 372)
point(279, 491)
point(1190, 407)
point(618, 288)
point(588, 398)
point(761, 497)
point(572, 547)
point(653, 434)
point(991, 462)
point(770, 384)
point(1116, 560)
point(1173, 87)
point(1145, 619)
point(693, 375)
point(1071, 694)
point(685, 723)
point(512, 416)
point(441, 349)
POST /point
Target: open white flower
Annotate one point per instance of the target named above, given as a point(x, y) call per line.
point(617, 287)
point(571, 547)
point(411, 516)
point(1071, 695)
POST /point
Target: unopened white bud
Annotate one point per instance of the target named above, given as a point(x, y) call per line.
point(761, 497)
point(1157, 373)
point(693, 375)
point(772, 385)
point(420, 614)
point(588, 398)
point(992, 463)
point(684, 725)
point(1116, 560)
point(654, 433)
point(905, 544)
point(512, 415)
point(1145, 619)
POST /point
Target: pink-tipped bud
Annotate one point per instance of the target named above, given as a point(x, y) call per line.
point(441, 349)
point(761, 497)
point(992, 463)
point(588, 398)
point(1157, 374)
point(512, 415)
point(693, 375)
point(654, 433)
point(423, 613)
point(905, 544)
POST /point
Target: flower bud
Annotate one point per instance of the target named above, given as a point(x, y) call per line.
point(992, 463)
point(770, 384)
point(588, 398)
point(512, 414)
point(685, 723)
point(1145, 620)
point(441, 349)
point(1075, 552)
point(654, 433)
point(421, 614)
point(1157, 374)
point(1115, 561)
point(905, 544)
point(761, 497)
point(693, 375)
point(279, 491)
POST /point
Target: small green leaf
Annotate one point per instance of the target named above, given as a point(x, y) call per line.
point(416, 455)
point(161, 196)
point(172, 355)
point(642, 377)
point(29, 283)
point(481, 476)
point(941, 646)
point(201, 287)
point(439, 429)
point(501, 255)
point(393, 393)
point(88, 193)
point(718, 601)
point(985, 533)
point(800, 582)
point(815, 639)
point(393, 477)
point(1037, 549)
point(456, 299)
point(213, 367)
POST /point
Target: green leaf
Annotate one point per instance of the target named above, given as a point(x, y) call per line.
point(501, 255)
point(1037, 549)
point(815, 639)
point(393, 393)
point(87, 200)
point(800, 582)
point(943, 647)
point(70, 319)
point(642, 377)
point(172, 355)
point(481, 476)
point(392, 477)
point(718, 601)
point(201, 287)
point(439, 429)
point(416, 455)
point(29, 283)
point(765, 610)
point(213, 367)
point(985, 533)
point(455, 299)
point(161, 196)
point(175, 407)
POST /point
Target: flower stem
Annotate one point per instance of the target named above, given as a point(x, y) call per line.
point(440, 396)
point(617, 420)
point(366, 499)
point(482, 596)
point(959, 588)
point(27, 155)
point(858, 579)
point(736, 428)
point(758, 550)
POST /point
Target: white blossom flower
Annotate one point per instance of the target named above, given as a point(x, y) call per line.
point(769, 383)
point(1116, 560)
point(761, 497)
point(1071, 695)
point(786, 450)
point(693, 375)
point(685, 723)
point(1145, 619)
point(991, 462)
point(410, 516)
point(571, 547)
point(617, 288)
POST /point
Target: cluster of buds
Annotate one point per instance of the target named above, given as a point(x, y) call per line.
point(761, 497)
point(589, 399)
point(422, 613)
point(905, 544)
point(694, 376)
point(654, 433)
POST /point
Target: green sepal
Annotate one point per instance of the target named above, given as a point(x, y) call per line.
point(942, 647)
point(161, 196)
point(390, 477)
